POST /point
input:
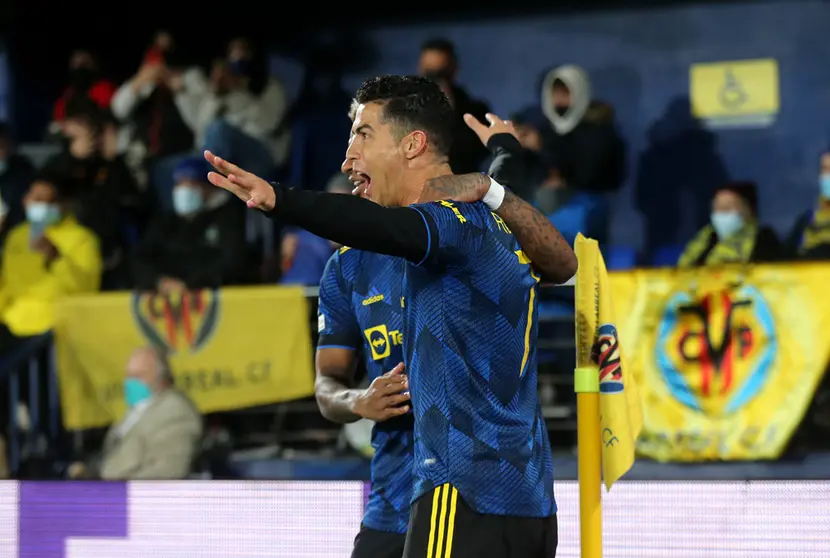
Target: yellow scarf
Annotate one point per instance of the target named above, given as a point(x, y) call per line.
point(735, 249)
point(817, 231)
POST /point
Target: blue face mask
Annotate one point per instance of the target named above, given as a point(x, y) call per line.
point(43, 214)
point(824, 184)
point(726, 223)
point(136, 391)
point(187, 200)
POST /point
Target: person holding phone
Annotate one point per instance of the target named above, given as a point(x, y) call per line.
point(45, 258)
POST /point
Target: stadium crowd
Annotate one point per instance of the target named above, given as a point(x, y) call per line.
point(124, 202)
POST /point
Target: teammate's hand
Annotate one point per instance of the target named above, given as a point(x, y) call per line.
point(385, 397)
point(248, 187)
point(497, 126)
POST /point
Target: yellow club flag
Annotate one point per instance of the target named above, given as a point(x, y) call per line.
point(598, 349)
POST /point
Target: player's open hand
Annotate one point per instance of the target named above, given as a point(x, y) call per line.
point(497, 126)
point(248, 187)
point(386, 397)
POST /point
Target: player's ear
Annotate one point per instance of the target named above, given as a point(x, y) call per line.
point(414, 144)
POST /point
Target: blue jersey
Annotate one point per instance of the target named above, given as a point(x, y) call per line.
point(360, 309)
point(470, 323)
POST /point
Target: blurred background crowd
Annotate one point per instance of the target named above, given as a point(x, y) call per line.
point(104, 189)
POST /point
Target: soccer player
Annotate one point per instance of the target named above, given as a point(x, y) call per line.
point(483, 473)
point(360, 314)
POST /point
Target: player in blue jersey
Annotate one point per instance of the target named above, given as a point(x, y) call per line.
point(360, 312)
point(483, 471)
point(360, 315)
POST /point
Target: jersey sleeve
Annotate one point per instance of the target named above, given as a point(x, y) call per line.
point(336, 322)
point(455, 234)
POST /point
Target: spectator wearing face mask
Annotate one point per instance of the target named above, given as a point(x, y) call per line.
point(241, 110)
point(733, 234)
point(46, 258)
point(196, 246)
point(581, 150)
point(160, 436)
point(586, 147)
point(16, 173)
point(439, 61)
point(810, 236)
point(85, 83)
point(571, 211)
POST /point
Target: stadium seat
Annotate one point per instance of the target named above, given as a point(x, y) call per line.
point(666, 256)
point(619, 258)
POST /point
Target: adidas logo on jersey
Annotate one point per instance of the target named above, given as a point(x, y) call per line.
point(374, 296)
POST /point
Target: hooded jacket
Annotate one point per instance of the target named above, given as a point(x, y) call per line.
point(583, 143)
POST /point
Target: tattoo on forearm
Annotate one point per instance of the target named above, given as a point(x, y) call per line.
point(539, 239)
point(452, 186)
point(334, 398)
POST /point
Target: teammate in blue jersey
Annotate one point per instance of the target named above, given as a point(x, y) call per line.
point(483, 470)
point(360, 314)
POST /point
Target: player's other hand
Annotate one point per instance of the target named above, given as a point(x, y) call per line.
point(248, 187)
point(385, 398)
point(496, 126)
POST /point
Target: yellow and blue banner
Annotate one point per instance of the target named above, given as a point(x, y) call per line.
point(728, 359)
point(229, 349)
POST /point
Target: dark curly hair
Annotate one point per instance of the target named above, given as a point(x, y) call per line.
point(412, 103)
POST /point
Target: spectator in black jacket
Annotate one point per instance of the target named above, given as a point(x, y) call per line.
point(439, 61)
point(109, 201)
point(16, 173)
point(586, 147)
point(198, 245)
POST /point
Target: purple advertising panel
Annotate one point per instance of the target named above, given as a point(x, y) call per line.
point(208, 519)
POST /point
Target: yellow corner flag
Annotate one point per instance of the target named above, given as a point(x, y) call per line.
point(598, 347)
point(609, 416)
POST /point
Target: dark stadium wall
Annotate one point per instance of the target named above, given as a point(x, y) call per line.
point(639, 61)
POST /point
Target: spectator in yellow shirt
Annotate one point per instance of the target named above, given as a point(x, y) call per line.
point(45, 258)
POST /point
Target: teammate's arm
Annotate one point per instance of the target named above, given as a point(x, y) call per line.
point(385, 398)
point(540, 240)
point(339, 340)
point(336, 360)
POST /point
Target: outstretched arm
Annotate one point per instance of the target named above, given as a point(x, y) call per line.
point(348, 220)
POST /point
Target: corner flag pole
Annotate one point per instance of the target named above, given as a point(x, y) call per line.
point(586, 386)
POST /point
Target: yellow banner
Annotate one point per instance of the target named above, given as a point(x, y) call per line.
point(727, 360)
point(230, 348)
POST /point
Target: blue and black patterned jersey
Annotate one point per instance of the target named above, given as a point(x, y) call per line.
point(470, 320)
point(360, 309)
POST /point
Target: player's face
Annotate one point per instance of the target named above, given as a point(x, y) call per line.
point(374, 159)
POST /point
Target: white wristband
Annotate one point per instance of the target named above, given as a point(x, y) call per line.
point(494, 196)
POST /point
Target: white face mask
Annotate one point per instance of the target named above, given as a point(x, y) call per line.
point(726, 223)
point(42, 213)
point(187, 200)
